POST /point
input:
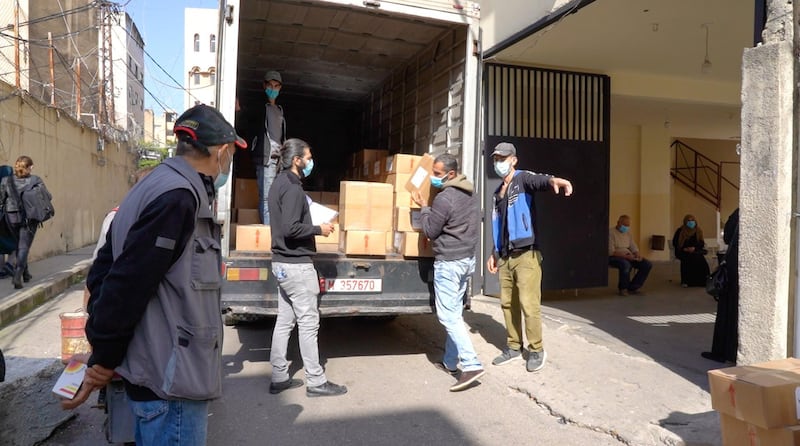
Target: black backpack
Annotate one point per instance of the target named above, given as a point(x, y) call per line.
point(36, 200)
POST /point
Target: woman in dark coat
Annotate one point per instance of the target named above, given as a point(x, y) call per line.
point(725, 343)
point(689, 249)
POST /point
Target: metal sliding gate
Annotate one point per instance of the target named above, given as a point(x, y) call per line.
point(559, 122)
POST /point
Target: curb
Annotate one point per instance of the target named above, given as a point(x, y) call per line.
point(28, 298)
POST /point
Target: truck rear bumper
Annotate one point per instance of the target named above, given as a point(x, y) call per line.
point(249, 287)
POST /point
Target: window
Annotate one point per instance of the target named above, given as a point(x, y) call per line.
point(196, 43)
point(213, 43)
point(213, 77)
point(197, 78)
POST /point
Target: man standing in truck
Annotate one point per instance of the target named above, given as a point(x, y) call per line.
point(293, 246)
point(452, 224)
point(267, 133)
point(516, 254)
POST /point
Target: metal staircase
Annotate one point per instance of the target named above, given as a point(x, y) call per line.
point(699, 173)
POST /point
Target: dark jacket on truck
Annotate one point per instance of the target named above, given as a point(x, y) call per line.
point(452, 220)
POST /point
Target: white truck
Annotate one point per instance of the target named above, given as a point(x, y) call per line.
point(401, 76)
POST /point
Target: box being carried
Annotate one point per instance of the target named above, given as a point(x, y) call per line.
point(420, 180)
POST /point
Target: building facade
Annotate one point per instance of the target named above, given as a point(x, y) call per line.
point(200, 56)
point(128, 74)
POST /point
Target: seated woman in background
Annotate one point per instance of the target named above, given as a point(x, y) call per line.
point(689, 243)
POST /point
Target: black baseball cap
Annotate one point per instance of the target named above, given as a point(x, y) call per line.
point(205, 126)
point(505, 149)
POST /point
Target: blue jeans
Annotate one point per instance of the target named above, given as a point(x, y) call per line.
point(265, 175)
point(624, 266)
point(449, 284)
point(170, 423)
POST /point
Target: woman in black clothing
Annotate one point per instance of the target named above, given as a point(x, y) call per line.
point(23, 230)
point(689, 249)
point(725, 343)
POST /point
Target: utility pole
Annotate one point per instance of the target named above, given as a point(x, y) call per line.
point(52, 70)
point(78, 88)
point(16, 44)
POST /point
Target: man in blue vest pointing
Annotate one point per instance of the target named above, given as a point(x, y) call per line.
point(516, 254)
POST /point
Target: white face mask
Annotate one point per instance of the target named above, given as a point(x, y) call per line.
point(501, 168)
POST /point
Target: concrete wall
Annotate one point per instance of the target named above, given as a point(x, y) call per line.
point(500, 19)
point(766, 201)
point(85, 183)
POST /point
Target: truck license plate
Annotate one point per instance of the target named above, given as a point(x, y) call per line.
point(351, 285)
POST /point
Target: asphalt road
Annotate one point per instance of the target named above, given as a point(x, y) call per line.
point(396, 396)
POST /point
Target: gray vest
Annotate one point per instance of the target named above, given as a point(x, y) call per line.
point(176, 347)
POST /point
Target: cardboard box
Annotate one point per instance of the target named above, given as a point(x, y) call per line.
point(402, 163)
point(398, 181)
point(402, 199)
point(366, 158)
point(421, 179)
point(761, 394)
point(365, 206)
point(332, 239)
point(232, 235)
point(407, 219)
point(253, 238)
point(390, 242)
point(245, 193)
point(741, 433)
point(363, 242)
point(248, 217)
point(415, 244)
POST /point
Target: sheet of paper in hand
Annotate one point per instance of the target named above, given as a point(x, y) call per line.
point(70, 380)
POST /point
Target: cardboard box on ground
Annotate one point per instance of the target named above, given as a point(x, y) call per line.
point(758, 401)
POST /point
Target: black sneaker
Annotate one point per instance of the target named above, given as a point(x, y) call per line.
point(536, 361)
point(466, 379)
point(442, 367)
point(327, 389)
point(507, 356)
point(276, 388)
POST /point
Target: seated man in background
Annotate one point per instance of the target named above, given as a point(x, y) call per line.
point(623, 254)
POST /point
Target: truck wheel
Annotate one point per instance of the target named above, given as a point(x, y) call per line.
point(2, 367)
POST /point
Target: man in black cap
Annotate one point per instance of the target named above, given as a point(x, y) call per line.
point(516, 254)
point(267, 133)
point(155, 288)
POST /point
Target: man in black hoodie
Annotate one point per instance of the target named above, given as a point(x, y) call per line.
point(293, 246)
point(452, 224)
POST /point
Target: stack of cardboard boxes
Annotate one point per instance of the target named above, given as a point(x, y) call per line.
point(758, 404)
point(407, 173)
point(376, 212)
point(250, 234)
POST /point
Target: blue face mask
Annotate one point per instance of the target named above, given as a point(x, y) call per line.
point(501, 168)
point(623, 229)
point(309, 167)
point(222, 178)
point(271, 94)
point(691, 224)
point(437, 182)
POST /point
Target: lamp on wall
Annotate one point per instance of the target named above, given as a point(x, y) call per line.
point(705, 68)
